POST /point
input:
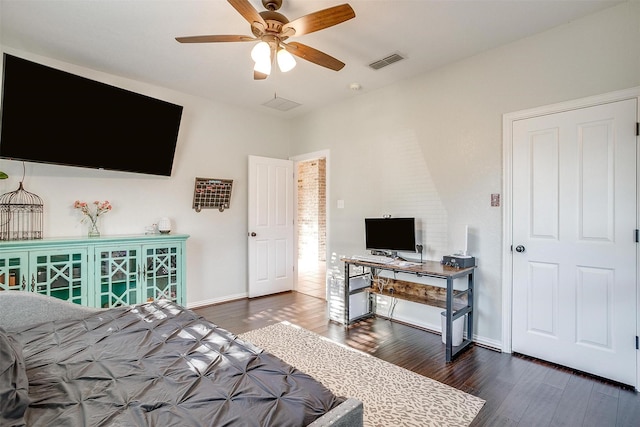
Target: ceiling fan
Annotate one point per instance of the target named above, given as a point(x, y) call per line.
point(271, 29)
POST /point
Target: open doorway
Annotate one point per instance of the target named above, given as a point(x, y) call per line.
point(311, 230)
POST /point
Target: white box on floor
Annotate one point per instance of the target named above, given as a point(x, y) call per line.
point(358, 303)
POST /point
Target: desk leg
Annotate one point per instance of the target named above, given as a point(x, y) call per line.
point(346, 294)
point(470, 303)
point(449, 321)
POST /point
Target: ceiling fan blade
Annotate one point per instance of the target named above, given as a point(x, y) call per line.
point(215, 39)
point(321, 19)
point(249, 12)
point(313, 55)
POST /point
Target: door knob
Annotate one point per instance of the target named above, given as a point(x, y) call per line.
point(253, 234)
point(519, 248)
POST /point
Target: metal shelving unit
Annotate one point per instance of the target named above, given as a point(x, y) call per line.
point(456, 303)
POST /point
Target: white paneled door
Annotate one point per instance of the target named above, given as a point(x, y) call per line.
point(574, 249)
point(270, 226)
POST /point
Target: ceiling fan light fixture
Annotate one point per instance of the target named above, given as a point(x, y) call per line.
point(270, 28)
point(263, 66)
point(286, 61)
point(261, 52)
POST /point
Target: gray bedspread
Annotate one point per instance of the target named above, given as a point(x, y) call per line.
point(159, 364)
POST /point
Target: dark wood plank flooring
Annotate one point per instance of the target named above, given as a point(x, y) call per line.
point(519, 391)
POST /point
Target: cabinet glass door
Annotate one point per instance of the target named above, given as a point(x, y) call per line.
point(118, 277)
point(13, 272)
point(60, 274)
point(162, 274)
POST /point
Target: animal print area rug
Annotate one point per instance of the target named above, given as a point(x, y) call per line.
point(392, 396)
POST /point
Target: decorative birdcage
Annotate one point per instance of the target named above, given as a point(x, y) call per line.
point(21, 215)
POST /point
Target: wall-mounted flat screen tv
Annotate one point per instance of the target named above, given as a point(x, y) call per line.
point(390, 234)
point(52, 116)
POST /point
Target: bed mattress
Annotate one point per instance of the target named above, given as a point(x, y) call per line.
point(159, 364)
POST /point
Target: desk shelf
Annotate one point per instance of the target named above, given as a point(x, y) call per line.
point(456, 303)
point(427, 300)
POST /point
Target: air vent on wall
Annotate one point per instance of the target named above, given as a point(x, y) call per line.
point(281, 104)
point(376, 65)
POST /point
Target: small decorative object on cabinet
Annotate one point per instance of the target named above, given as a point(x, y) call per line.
point(93, 229)
point(92, 214)
point(21, 215)
point(164, 225)
point(106, 272)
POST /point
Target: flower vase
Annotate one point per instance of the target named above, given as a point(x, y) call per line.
point(93, 229)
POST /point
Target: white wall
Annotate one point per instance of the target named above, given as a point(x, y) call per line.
point(214, 142)
point(429, 147)
point(432, 146)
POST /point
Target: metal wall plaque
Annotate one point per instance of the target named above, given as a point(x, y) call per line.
point(211, 193)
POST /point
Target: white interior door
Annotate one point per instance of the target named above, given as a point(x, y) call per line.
point(574, 221)
point(270, 226)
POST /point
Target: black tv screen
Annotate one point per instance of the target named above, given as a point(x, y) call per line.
point(52, 116)
point(391, 234)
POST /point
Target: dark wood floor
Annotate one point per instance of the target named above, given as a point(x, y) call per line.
point(519, 391)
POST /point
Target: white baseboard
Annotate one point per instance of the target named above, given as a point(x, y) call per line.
point(226, 298)
point(491, 344)
point(494, 345)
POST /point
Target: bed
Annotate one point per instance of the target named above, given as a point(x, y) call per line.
point(153, 364)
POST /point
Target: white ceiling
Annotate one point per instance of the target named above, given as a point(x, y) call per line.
point(135, 39)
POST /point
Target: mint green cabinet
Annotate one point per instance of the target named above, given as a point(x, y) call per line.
point(162, 273)
point(14, 271)
point(133, 274)
point(118, 276)
point(99, 272)
point(60, 273)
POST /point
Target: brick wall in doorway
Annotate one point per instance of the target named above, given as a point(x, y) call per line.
point(312, 209)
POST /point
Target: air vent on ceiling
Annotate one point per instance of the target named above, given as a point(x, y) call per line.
point(281, 104)
point(376, 65)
